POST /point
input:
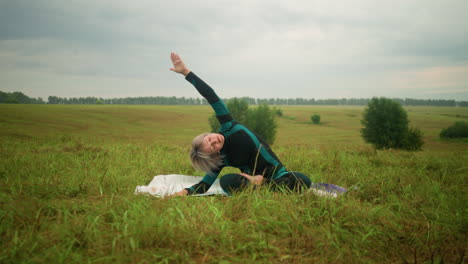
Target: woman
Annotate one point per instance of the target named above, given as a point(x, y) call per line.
point(235, 146)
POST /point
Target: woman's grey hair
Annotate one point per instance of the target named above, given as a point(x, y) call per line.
point(204, 161)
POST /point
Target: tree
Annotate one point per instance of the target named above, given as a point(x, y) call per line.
point(413, 139)
point(457, 130)
point(386, 126)
point(238, 109)
point(12, 100)
point(52, 100)
point(278, 111)
point(19, 97)
point(315, 119)
point(261, 120)
point(3, 97)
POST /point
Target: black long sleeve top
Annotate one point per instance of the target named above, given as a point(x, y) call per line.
point(242, 148)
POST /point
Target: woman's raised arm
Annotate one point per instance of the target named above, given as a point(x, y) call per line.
point(222, 113)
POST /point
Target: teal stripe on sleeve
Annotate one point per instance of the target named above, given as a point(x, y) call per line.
point(233, 130)
point(220, 108)
point(279, 173)
point(210, 178)
point(267, 156)
point(263, 150)
point(225, 127)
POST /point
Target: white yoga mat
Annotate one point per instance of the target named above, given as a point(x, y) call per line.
point(163, 185)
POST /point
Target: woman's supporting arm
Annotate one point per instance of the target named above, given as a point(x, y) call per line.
point(256, 179)
point(181, 193)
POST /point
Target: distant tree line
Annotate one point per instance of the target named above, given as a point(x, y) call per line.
point(20, 98)
point(161, 100)
point(158, 100)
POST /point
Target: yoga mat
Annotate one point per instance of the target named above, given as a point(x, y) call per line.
point(163, 185)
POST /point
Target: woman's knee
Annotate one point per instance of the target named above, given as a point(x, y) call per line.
point(233, 182)
point(302, 179)
point(293, 181)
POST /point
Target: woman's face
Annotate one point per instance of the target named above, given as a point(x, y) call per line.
point(213, 143)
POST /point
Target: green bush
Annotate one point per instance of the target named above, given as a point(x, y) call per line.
point(457, 130)
point(413, 139)
point(12, 101)
point(238, 109)
point(386, 126)
point(261, 120)
point(278, 111)
point(315, 119)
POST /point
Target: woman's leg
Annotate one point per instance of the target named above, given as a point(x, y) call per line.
point(293, 181)
point(233, 182)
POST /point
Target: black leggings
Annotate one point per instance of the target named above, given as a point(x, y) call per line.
point(293, 181)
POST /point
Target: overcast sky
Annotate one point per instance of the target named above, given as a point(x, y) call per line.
point(256, 48)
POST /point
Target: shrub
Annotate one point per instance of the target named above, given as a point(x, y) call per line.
point(413, 139)
point(214, 123)
point(260, 120)
point(238, 109)
point(315, 119)
point(457, 130)
point(386, 126)
point(278, 111)
point(12, 101)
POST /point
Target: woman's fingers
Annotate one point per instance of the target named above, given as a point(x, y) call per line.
point(257, 179)
point(181, 193)
point(174, 57)
point(174, 61)
point(179, 66)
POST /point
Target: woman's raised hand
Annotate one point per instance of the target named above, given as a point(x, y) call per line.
point(179, 65)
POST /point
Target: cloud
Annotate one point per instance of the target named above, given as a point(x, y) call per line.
point(321, 49)
point(435, 80)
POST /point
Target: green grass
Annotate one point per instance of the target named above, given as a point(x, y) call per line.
point(67, 176)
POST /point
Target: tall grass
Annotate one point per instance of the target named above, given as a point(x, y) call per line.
point(69, 198)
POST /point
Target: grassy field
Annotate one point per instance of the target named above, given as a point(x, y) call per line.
point(67, 176)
